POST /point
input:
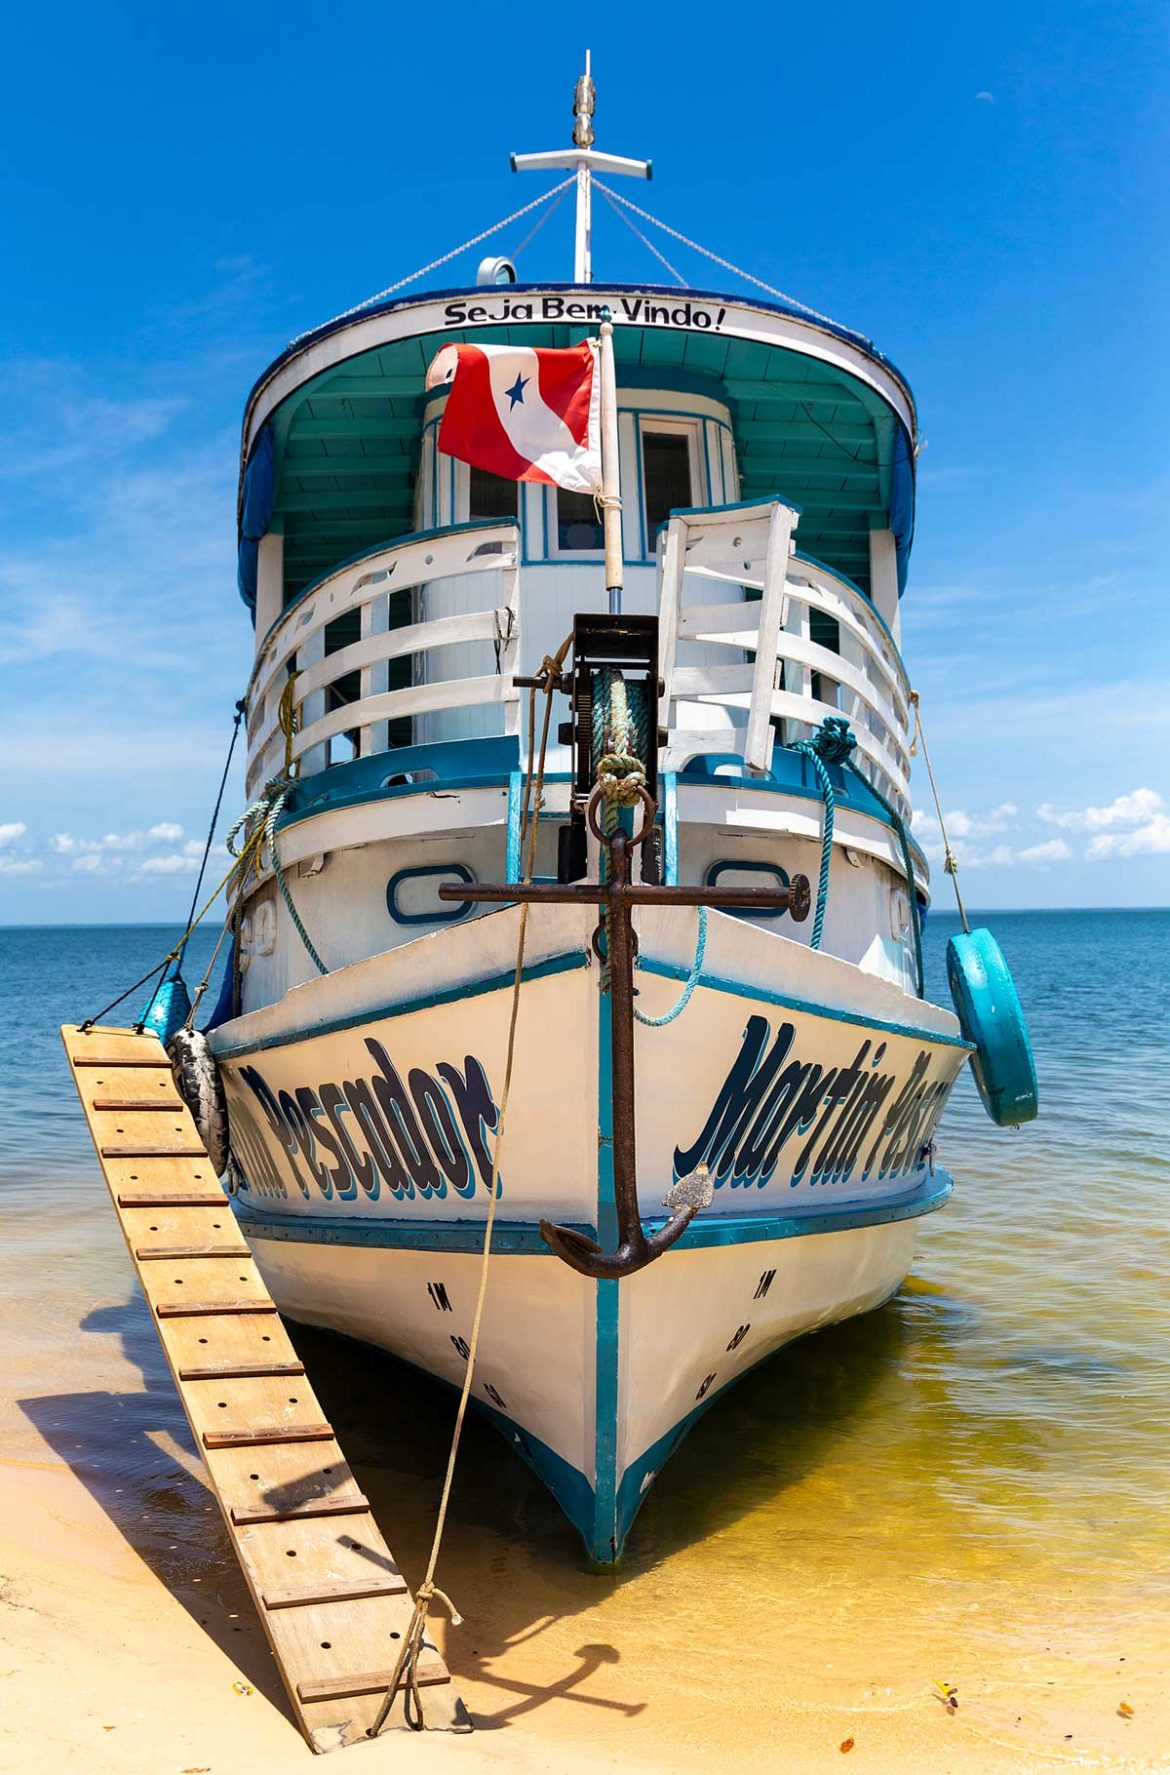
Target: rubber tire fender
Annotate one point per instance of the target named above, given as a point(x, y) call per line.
point(201, 1088)
point(989, 1013)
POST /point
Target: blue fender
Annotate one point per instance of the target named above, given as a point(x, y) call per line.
point(166, 1011)
point(989, 1012)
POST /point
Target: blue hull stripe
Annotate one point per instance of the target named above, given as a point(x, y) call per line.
point(554, 964)
point(521, 1238)
point(763, 995)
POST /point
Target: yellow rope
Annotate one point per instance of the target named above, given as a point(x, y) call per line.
point(406, 1669)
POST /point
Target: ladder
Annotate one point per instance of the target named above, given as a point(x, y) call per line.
point(331, 1599)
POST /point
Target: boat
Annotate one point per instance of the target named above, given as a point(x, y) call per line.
point(590, 808)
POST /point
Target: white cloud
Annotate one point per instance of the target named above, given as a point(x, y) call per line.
point(63, 843)
point(166, 831)
point(20, 865)
point(1052, 850)
point(12, 829)
point(93, 862)
point(175, 863)
point(1129, 810)
point(1149, 840)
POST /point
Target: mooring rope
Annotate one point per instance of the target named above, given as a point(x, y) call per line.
point(950, 861)
point(406, 1668)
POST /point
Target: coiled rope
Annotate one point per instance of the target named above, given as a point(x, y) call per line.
point(833, 743)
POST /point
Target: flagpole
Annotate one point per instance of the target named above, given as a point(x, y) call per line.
point(611, 498)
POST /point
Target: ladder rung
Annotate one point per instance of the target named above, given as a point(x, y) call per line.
point(351, 1506)
point(175, 1199)
point(373, 1682)
point(304, 1599)
point(128, 1105)
point(194, 1309)
point(239, 1371)
point(154, 1152)
point(110, 1060)
point(269, 1434)
point(145, 1252)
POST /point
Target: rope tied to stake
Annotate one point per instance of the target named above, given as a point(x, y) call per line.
point(405, 1673)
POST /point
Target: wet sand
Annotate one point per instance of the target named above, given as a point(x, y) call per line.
point(774, 1607)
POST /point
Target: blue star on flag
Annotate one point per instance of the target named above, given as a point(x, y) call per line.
point(516, 393)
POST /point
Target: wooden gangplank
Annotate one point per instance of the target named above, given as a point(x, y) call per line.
point(331, 1599)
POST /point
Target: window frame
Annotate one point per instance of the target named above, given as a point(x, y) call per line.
point(673, 426)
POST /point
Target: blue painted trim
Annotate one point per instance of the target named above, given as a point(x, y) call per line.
point(553, 964)
point(515, 808)
point(522, 1238)
point(509, 1237)
point(754, 994)
point(446, 914)
point(720, 868)
point(670, 827)
point(607, 1309)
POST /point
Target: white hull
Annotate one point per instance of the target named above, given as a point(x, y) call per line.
point(363, 1115)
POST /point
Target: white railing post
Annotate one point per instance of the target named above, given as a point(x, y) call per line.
point(758, 736)
point(375, 678)
point(670, 588)
point(510, 648)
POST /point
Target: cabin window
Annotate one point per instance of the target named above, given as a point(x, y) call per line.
point(579, 526)
point(491, 496)
point(670, 472)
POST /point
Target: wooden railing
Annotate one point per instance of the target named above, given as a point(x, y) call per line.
point(374, 587)
point(780, 672)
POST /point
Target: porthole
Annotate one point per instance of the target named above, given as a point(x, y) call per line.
point(412, 895)
point(733, 874)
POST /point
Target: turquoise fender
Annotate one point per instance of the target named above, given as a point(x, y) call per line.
point(988, 1008)
point(168, 1008)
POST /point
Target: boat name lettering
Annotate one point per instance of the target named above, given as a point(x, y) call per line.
point(421, 1137)
point(637, 310)
point(848, 1119)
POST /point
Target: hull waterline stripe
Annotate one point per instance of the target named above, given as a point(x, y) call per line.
point(522, 1238)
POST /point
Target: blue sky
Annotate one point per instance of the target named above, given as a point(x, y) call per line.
point(980, 188)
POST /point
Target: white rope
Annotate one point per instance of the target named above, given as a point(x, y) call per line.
point(446, 258)
point(617, 197)
point(648, 244)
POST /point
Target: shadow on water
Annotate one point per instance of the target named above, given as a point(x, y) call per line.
point(508, 1541)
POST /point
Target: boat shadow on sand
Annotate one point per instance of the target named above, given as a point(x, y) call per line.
point(509, 1556)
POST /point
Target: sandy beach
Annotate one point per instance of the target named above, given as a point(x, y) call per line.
point(128, 1642)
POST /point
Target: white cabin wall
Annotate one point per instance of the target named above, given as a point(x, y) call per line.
point(883, 580)
point(269, 582)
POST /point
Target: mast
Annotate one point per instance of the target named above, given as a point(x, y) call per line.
point(585, 160)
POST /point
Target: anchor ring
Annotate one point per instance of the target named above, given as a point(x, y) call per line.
point(648, 803)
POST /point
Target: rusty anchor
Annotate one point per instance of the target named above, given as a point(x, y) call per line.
point(618, 894)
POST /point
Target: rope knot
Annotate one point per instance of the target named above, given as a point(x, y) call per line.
point(425, 1595)
point(834, 740)
point(621, 778)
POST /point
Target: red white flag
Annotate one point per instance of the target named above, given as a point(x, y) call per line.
point(525, 414)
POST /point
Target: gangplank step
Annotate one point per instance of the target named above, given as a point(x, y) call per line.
point(350, 1606)
point(307, 1599)
point(168, 1199)
point(244, 1515)
point(197, 1309)
point(239, 1371)
point(268, 1433)
point(152, 1253)
point(374, 1682)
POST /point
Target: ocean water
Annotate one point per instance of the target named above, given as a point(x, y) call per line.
point(977, 1469)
